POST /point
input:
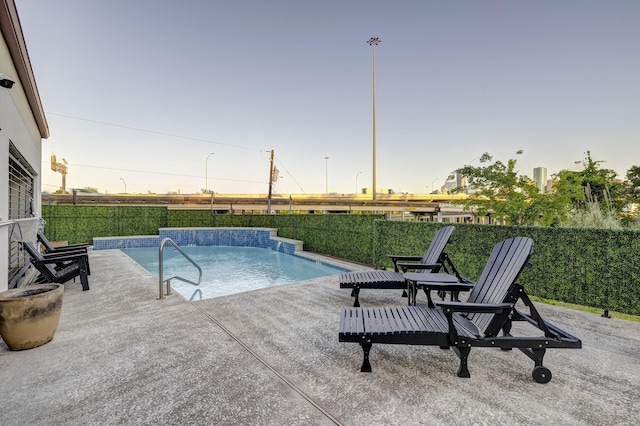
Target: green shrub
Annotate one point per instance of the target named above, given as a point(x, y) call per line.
point(586, 266)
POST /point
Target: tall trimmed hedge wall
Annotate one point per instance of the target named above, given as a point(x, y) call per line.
point(80, 224)
point(596, 268)
point(346, 236)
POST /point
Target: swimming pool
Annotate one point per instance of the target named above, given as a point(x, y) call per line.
point(229, 270)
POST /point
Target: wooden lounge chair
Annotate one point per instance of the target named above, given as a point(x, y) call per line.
point(49, 249)
point(489, 309)
point(59, 268)
point(433, 260)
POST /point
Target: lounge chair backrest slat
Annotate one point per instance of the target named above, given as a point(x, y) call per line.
point(47, 271)
point(505, 264)
point(44, 240)
point(32, 250)
point(436, 248)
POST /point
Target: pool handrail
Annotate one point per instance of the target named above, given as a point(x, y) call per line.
point(161, 272)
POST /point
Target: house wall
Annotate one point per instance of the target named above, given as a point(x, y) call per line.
point(17, 125)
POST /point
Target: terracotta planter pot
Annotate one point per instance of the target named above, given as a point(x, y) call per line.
point(29, 315)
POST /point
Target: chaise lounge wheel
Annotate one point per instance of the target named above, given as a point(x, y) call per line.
point(541, 374)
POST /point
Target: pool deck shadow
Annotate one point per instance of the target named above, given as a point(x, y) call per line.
point(272, 357)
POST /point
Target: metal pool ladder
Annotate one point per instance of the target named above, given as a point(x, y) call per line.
point(168, 280)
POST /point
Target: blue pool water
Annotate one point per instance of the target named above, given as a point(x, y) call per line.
point(229, 270)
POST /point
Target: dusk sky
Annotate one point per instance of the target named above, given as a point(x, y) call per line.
point(141, 92)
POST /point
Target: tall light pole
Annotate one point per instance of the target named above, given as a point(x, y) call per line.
point(469, 162)
point(206, 173)
point(326, 175)
point(373, 41)
point(125, 185)
point(358, 174)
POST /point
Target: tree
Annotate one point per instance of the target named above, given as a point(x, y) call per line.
point(632, 185)
point(498, 190)
point(593, 182)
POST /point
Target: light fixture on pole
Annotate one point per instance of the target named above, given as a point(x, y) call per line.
point(326, 175)
point(358, 174)
point(125, 185)
point(206, 173)
point(374, 41)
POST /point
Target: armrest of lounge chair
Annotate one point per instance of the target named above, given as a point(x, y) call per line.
point(402, 257)
point(416, 266)
point(478, 308)
point(396, 258)
point(72, 247)
point(444, 286)
point(67, 253)
point(59, 258)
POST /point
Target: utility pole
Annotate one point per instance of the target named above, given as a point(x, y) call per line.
point(271, 178)
point(206, 173)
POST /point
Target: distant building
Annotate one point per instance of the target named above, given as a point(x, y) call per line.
point(540, 178)
point(550, 183)
point(461, 180)
point(449, 185)
point(458, 180)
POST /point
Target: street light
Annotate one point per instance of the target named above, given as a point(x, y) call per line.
point(326, 175)
point(125, 185)
point(206, 173)
point(357, 182)
point(469, 162)
point(374, 41)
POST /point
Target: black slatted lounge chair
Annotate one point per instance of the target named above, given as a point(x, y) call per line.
point(59, 268)
point(49, 249)
point(433, 261)
point(489, 309)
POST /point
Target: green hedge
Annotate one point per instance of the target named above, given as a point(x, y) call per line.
point(341, 235)
point(597, 268)
point(80, 224)
point(589, 267)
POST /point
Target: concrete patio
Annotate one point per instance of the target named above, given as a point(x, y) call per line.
point(272, 357)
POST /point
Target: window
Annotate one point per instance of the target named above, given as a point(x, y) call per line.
point(21, 188)
point(21, 179)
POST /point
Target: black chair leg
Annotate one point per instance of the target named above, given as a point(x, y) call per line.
point(463, 354)
point(366, 366)
point(82, 265)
